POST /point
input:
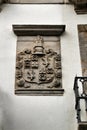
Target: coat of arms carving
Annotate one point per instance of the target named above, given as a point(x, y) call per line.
point(38, 60)
point(38, 68)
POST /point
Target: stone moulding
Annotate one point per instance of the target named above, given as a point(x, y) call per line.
point(35, 1)
point(38, 63)
point(80, 6)
point(33, 30)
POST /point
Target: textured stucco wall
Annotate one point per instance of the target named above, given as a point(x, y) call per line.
point(38, 113)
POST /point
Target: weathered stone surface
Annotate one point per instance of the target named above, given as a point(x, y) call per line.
point(34, 30)
point(1, 1)
point(38, 63)
point(81, 9)
point(35, 1)
point(80, 6)
point(82, 29)
point(78, 1)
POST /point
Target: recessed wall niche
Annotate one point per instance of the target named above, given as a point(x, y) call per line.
point(38, 60)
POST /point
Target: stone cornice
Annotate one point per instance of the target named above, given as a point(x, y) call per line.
point(80, 6)
point(33, 30)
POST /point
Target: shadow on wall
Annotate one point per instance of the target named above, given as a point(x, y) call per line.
point(5, 111)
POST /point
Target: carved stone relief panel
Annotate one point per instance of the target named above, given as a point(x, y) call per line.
point(38, 65)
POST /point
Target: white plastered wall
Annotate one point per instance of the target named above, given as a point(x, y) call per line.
point(44, 112)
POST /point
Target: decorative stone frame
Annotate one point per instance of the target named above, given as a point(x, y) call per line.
point(24, 32)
